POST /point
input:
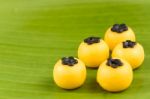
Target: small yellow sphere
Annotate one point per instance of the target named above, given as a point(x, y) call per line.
point(130, 51)
point(93, 51)
point(115, 75)
point(69, 73)
point(118, 33)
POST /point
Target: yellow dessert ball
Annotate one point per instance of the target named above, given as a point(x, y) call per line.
point(118, 33)
point(69, 73)
point(131, 51)
point(115, 75)
point(93, 51)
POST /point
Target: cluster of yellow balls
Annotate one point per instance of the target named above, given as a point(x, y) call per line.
point(115, 70)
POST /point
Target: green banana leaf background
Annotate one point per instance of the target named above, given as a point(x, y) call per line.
point(34, 34)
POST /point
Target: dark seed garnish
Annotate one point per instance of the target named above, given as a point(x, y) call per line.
point(92, 40)
point(114, 62)
point(70, 61)
point(119, 28)
point(129, 44)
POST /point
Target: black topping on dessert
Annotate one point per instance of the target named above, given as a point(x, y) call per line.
point(129, 44)
point(114, 62)
point(119, 28)
point(92, 40)
point(70, 61)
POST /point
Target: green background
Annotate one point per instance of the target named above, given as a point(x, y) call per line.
point(34, 34)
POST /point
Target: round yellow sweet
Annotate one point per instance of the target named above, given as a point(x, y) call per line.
point(115, 79)
point(113, 38)
point(69, 77)
point(135, 55)
point(93, 55)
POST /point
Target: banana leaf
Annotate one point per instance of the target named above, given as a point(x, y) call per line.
point(34, 34)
